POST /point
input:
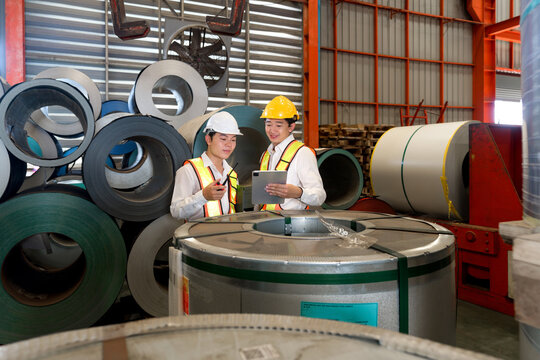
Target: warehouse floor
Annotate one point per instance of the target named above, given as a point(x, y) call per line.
point(486, 331)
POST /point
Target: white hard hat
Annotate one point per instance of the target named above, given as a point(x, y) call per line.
point(222, 122)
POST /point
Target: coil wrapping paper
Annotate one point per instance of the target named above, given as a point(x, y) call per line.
point(81, 82)
point(231, 336)
point(423, 169)
point(191, 94)
point(21, 100)
point(147, 292)
point(166, 148)
point(104, 251)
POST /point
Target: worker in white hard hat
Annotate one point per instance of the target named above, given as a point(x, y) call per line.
point(304, 186)
point(206, 186)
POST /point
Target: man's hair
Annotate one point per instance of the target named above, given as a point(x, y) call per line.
point(211, 134)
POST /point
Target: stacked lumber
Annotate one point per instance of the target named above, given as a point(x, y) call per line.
point(359, 139)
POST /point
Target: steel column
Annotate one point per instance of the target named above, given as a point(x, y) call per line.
point(311, 73)
point(14, 23)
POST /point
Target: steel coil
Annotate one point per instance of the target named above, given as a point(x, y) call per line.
point(37, 301)
point(47, 148)
point(4, 86)
point(112, 106)
point(148, 258)
point(235, 336)
point(176, 78)
point(288, 262)
point(163, 144)
point(424, 169)
point(79, 80)
point(342, 178)
point(18, 104)
point(12, 174)
point(138, 169)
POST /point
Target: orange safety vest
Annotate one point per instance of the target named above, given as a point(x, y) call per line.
point(283, 164)
point(206, 177)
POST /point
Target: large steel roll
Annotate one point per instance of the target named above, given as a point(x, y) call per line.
point(43, 145)
point(249, 147)
point(12, 174)
point(46, 297)
point(69, 125)
point(424, 169)
point(128, 165)
point(147, 269)
point(18, 104)
point(288, 263)
point(234, 336)
point(162, 143)
point(530, 87)
point(4, 86)
point(342, 178)
point(169, 78)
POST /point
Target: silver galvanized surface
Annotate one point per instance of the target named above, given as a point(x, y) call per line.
point(221, 256)
point(236, 336)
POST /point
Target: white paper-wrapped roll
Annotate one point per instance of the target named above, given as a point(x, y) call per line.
point(424, 169)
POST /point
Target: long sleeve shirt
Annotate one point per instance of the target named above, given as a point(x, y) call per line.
point(302, 172)
point(188, 200)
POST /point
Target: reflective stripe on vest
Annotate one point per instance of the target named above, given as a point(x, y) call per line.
point(206, 177)
point(283, 164)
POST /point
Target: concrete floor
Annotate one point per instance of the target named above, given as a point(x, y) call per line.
point(487, 331)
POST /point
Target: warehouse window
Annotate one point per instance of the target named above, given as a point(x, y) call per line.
point(508, 112)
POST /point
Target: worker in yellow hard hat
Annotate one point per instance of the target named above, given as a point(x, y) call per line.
point(304, 185)
point(206, 186)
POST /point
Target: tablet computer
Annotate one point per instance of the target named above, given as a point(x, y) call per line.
point(259, 180)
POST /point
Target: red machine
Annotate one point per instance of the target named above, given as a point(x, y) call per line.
point(495, 186)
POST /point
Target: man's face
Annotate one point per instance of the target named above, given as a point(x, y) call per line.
point(221, 145)
point(277, 130)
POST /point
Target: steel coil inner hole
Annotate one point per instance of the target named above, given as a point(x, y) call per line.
point(169, 89)
point(465, 171)
point(43, 269)
point(341, 179)
point(148, 186)
point(304, 227)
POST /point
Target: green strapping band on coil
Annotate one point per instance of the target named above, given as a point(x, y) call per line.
point(310, 278)
point(527, 10)
point(403, 286)
point(403, 283)
point(291, 278)
point(402, 160)
point(104, 250)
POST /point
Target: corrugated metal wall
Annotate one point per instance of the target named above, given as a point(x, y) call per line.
point(73, 33)
point(507, 55)
point(356, 97)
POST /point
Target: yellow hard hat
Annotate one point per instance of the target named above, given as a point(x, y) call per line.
point(280, 108)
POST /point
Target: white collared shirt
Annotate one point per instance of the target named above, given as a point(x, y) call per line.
point(302, 172)
point(188, 200)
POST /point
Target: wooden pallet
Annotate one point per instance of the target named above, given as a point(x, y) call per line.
point(359, 139)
